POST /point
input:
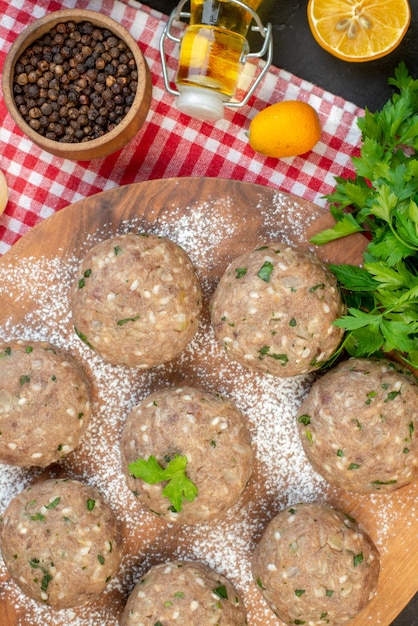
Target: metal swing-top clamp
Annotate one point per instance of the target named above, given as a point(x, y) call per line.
point(267, 48)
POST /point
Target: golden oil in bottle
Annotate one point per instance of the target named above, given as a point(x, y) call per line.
point(212, 53)
point(210, 57)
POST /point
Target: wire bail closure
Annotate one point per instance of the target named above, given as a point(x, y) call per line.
point(267, 48)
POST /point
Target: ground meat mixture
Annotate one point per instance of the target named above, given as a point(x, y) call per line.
point(44, 403)
point(359, 424)
point(186, 593)
point(60, 542)
point(206, 429)
point(274, 308)
point(314, 566)
point(136, 300)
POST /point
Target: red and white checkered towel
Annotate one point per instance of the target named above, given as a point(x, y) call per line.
point(170, 144)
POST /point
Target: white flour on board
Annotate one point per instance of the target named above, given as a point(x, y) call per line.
point(268, 403)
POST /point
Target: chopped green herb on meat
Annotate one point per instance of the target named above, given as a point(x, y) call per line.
point(377, 483)
point(265, 271)
point(391, 396)
point(370, 396)
point(90, 504)
point(260, 584)
point(221, 592)
point(309, 435)
point(82, 282)
point(127, 319)
point(240, 272)
point(83, 337)
point(265, 351)
point(46, 578)
point(38, 517)
point(316, 287)
point(54, 503)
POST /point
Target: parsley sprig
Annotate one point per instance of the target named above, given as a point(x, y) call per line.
point(381, 200)
point(178, 485)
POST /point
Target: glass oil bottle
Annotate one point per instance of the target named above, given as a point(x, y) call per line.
point(213, 51)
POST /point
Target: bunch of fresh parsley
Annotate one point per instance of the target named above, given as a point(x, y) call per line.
point(382, 201)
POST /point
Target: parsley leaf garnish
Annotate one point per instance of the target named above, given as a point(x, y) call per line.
point(178, 485)
point(266, 271)
point(382, 201)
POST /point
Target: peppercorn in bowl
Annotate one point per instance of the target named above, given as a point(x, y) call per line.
point(76, 83)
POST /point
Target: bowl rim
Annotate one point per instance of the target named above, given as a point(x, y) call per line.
point(40, 27)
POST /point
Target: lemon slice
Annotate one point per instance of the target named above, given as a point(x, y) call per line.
point(359, 30)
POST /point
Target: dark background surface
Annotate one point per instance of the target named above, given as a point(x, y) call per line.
point(364, 84)
point(296, 51)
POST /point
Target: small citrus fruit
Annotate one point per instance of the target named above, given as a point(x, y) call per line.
point(285, 129)
point(359, 30)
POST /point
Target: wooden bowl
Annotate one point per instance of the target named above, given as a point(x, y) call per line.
point(112, 140)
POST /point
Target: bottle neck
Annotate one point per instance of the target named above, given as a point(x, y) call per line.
point(223, 14)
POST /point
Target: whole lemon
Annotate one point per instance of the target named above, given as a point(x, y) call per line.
point(284, 129)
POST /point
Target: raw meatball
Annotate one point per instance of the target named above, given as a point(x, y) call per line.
point(315, 566)
point(136, 300)
point(273, 311)
point(60, 542)
point(44, 403)
point(209, 431)
point(184, 592)
point(358, 426)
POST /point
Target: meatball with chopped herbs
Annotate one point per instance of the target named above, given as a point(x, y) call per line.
point(186, 454)
point(136, 300)
point(60, 542)
point(273, 311)
point(184, 592)
point(314, 565)
point(359, 425)
point(45, 403)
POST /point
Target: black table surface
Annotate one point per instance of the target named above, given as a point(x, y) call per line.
point(296, 51)
point(364, 84)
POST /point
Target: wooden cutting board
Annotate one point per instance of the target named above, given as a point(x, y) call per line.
point(214, 220)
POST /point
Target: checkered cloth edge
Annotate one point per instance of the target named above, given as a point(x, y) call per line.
point(170, 144)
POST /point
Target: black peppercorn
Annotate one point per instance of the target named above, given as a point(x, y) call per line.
point(46, 108)
point(34, 112)
point(35, 124)
point(22, 79)
point(75, 83)
point(33, 90)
